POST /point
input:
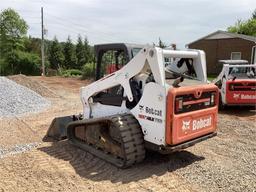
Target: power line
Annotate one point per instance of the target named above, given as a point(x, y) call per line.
point(34, 23)
point(79, 25)
point(34, 34)
point(78, 29)
point(26, 11)
point(77, 32)
point(83, 26)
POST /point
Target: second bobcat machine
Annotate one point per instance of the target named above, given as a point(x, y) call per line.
point(237, 83)
point(132, 106)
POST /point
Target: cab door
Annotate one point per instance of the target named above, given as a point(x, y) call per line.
point(110, 62)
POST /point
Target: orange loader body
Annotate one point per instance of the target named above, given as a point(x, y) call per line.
point(241, 91)
point(193, 124)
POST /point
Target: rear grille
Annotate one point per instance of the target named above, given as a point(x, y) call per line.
point(186, 103)
point(242, 87)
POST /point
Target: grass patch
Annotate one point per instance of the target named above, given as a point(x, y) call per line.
point(71, 73)
point(211, 77)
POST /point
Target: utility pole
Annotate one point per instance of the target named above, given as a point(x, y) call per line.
point(42, 41)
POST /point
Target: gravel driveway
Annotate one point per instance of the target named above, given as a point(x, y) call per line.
point(226, 162)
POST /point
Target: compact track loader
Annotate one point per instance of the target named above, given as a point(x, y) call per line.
point(237, 83)
point(132, 106)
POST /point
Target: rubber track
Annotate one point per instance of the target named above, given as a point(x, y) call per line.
point(131, 138)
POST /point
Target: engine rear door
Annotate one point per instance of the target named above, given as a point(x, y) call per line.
point(241, 91)
point(191, 113)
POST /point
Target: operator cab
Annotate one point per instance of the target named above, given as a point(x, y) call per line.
point(111, 58)
point(238, 69)
point(242, 72)
point(236, 83)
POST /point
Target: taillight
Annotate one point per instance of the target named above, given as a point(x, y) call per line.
point(179, 104)
point(212, 100)
point(188, 102)
point(207, 103)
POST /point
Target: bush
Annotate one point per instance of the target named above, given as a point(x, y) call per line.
point(70, 73)
point(2, 67)
point(21, 62)
point(88, 71)
point(52, 72)
point(211, 77)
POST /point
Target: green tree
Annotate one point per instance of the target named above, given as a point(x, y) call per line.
point(247, 27)
point(26, 63)
point(56, 56)
point(88, 71)
point(161, 44)
point(254, 14)
point(13, 29)
point(69, 54)
point(80, 53)
point(33, 45)
point(88, 51)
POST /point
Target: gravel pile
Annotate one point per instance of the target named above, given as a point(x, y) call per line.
point(21, 148)
point(33, 85)
point(16, 100)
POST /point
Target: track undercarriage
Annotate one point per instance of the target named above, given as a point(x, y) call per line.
point(117, 139)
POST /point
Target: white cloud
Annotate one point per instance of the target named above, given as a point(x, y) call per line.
point(132, 21)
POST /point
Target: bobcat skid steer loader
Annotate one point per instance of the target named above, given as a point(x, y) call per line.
point(132, 106)
point(237, 83)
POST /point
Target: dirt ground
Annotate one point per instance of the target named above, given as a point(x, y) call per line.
point(224, 163)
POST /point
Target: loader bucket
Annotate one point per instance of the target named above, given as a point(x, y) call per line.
point(57, 129)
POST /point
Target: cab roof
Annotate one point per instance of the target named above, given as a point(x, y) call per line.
point(110, 46)
point(233, 62)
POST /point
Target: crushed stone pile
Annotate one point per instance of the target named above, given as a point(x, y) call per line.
point(33, 85)
point(21, 148)
point(16, 100)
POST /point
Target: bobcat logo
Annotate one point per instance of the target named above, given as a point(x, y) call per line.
point(141, 107)
point(185, 125)
point(236, 96)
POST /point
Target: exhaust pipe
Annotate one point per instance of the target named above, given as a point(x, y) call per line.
point(177, 81)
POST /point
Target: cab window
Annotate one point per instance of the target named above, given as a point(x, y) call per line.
point(135, 51)
point(112, 61)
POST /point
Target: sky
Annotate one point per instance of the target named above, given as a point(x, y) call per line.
point(131, 21)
